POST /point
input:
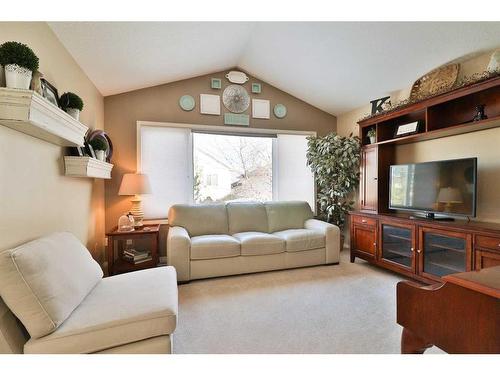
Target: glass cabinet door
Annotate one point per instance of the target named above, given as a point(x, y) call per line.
point(397, 245)
point(442, 254)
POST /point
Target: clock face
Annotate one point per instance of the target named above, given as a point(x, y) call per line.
point(236, 98)
point(279, 110)
point(187, 102)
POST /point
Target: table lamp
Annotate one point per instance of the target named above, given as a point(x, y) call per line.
point(135, 184)
point(449, 196)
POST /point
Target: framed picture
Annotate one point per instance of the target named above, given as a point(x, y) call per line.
point(89, 150)
point(209, 104)
point(407, 129)
point(261, 108)
point(49, 92)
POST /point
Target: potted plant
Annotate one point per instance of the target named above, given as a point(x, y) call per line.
point(335, 162)
point(100, 147)
point(72, 104)
point(19, 62)
point(372, 133)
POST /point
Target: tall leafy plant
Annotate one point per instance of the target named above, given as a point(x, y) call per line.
point(335, 162)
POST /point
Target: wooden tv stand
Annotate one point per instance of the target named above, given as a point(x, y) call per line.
point(420, 248)
point(423, 249)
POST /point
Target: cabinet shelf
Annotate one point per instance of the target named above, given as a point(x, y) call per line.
point(85, 166)
point(398, 237)
point(399, 253)
point(445, 131)
point(446, 248)
point(28, 112)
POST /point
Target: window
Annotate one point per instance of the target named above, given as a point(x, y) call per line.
point(232, 168)
point(185, 165)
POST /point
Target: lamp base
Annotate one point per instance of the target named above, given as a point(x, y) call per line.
point(137, 212)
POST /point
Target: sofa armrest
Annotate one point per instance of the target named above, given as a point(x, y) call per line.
point(332, 240)
point(178, 252)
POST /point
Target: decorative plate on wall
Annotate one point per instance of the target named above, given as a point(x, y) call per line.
point(237, 77)
point(279, 110)
point(187, 102)
point(236, 98)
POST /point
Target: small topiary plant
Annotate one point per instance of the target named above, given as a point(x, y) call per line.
point(71, 100)
point(99, 144)
point(19, 54)
point(371, 133)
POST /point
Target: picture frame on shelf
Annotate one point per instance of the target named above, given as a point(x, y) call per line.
point(404, 130)
point(49, 92)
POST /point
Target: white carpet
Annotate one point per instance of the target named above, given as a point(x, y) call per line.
point(345, 308)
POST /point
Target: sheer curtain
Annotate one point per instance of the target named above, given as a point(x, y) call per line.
point(294, 179)
point(166, 158)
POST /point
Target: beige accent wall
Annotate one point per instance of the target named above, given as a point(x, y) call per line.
point(161, 103)
point(482, 144)
point(36, 197)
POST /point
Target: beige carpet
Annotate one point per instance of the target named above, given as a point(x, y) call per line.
point(346, 308)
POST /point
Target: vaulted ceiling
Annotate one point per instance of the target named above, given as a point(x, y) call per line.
point(335, 66)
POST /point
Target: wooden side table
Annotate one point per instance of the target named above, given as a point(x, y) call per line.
point(117, 243)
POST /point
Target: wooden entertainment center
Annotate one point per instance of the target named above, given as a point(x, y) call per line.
point(422, 249)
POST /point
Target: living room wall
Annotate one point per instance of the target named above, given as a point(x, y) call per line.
point(482, 144)
point(37, 198)
point(161, 103)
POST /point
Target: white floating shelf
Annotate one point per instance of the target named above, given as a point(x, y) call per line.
point(28, 112)
point(85, 166)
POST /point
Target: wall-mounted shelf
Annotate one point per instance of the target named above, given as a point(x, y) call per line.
point(28, 112)
point(85, 166)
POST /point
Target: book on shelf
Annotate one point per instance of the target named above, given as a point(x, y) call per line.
point(136, 257)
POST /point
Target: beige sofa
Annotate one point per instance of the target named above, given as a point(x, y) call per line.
point(234, 238)
point(63, 305)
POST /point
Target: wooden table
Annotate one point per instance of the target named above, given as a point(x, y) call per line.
point(460, 316)
point(116, 263)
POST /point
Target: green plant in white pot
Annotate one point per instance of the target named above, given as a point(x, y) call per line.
point(72, 104)
point(19, 62)
point(371, 134)
point(334, 160)
point(100, 147)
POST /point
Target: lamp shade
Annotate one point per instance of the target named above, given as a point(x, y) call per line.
point(134, 183)
point(449, 195)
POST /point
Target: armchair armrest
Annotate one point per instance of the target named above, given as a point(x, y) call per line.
point(178, 252)
point(332, 238)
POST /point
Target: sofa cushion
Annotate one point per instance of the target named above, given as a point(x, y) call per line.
point(120, 310)
point(301, 239)
point(44, 280)
point(214, 246)
point(257, 243)
point(199, 219)
point(247, 217)
point(287, 215)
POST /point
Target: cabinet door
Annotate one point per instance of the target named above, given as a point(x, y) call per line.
point(485, 259)
point(442, 252)
point(364, 239)
point(397, 245)
point(368, 189)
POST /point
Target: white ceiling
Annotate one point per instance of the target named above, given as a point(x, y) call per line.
point(335, 66)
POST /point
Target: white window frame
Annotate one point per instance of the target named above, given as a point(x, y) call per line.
point(221, 129)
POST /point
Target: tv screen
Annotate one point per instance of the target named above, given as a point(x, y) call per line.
point(445, 187)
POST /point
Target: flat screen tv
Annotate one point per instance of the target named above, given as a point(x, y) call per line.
point(446, 187)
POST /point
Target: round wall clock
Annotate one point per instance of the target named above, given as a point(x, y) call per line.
point(187, 102)
point(279, 110)
point(236, 98)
